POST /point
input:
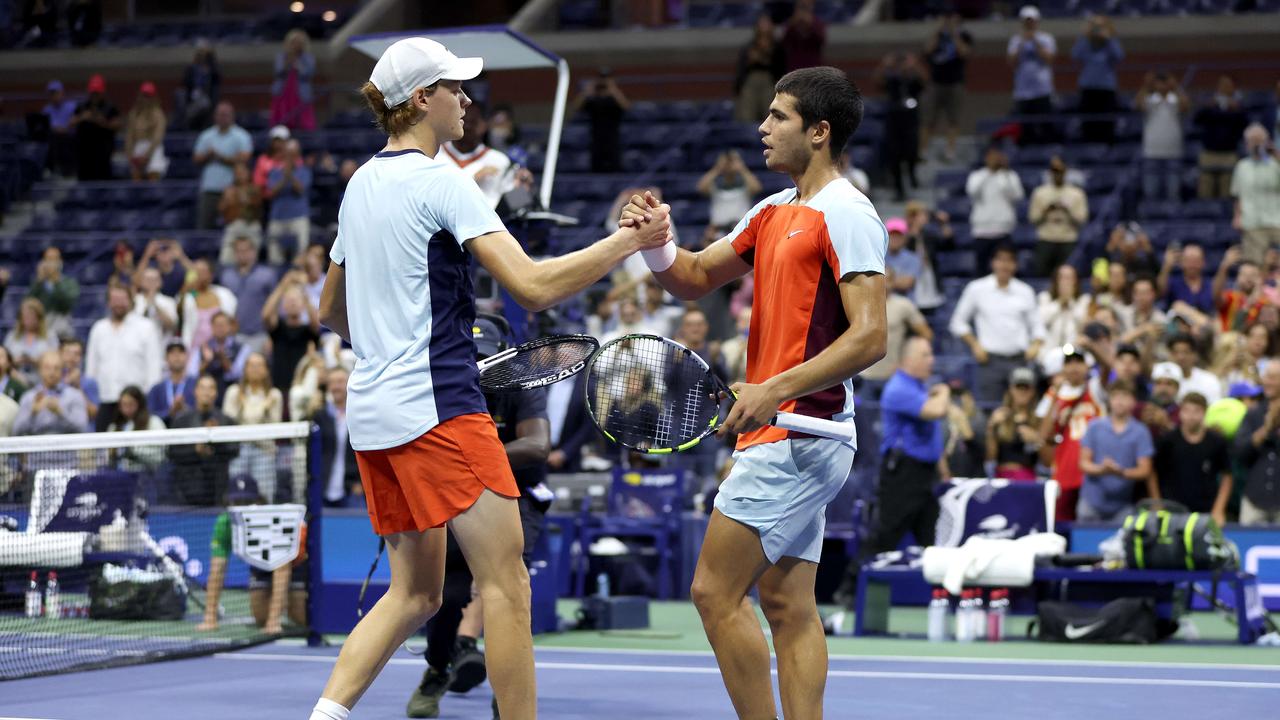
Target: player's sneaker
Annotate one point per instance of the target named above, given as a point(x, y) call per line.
point(425, 701)
point(468, 666)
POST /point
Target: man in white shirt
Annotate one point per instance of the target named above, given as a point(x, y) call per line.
point(124, 349)
point(154, 305)
point(1163, 103)
point(1182, 351)
point(491, 169)
point(1255, 184)
point(998, 318)
point(994, 190)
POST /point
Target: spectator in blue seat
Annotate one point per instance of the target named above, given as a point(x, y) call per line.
point(177, 391)
point(74, 375)
point(97, 122)
point(1097, 53)
point(223, 355)
point(902, 79)
point(995, 191)
point(342, 486)
point(1058, 210)
point(292, 331)
point(289, 190)
point(1115, 453)
point(52, 406)
point(804, 37)
point(241, 209)
point(29, 339)
point(123, 350)
point(170, 260)
point(56, 292)
point(1030, 54)
point(906, 265)
point(202, 300)
point(61, 112)
point(200, 87)
point(252, 284)
point(1257, 449)
point(1064, 309)
point(144, 136)
point(604, 105)
point(904, 320)
point(946, 52)
point(1130, 246)
point(1269, 118)
point(154, 305)
point(1163, 103)
point(11, 384)
point(997, 317)
point(217, 151)
point(1255, 184)
point(1221, 124)
point(200, 472)
point(1191, 462)
point(1191, 286)
point(732, 189)
point(760, 65)
point(292, 96)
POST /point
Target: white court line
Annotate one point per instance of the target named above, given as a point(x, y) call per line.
point(966, 677)
point(1151, 664)
point(950, 659)
point(22, 718)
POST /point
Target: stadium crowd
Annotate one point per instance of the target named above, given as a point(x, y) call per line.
point(1117, 370)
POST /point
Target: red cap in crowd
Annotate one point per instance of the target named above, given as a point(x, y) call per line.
point(148, 88)
point(96, 84)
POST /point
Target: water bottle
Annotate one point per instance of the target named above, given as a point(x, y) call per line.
point(602, 585)
point(35, 600)
point(52, 597)
point(996, 614)
point(979, 616)
point(939, 607)
point(964, 617)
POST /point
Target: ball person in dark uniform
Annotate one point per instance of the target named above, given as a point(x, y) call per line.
point(453, 661)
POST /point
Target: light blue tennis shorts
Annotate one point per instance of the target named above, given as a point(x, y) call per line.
point(781, 490)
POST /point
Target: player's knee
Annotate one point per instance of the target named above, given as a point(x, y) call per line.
point(510, 588)
point(421, 607)
point(786, 610)
point(708, 598)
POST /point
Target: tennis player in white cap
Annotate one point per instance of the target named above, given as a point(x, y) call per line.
point(399, 289)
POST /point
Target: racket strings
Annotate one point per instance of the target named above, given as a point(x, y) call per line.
point(537, 363)
point(650, 394)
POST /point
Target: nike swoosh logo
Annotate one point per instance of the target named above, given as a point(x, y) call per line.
point(794, 233)
point(1075, 633)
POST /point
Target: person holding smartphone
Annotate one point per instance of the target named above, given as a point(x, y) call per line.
point(1255, 184)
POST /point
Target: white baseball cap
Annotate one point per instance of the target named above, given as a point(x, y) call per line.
point(1029, 12)
point(279, 132)
point(418, 62)
point(1166, 371)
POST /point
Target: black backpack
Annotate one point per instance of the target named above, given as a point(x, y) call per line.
point(1130, 621)
point(1172, 540)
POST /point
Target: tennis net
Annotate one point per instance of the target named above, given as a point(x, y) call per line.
point(119, 548)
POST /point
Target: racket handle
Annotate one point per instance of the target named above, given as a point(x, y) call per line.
point(816, 426)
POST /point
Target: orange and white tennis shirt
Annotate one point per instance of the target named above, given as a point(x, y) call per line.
point(800, 252)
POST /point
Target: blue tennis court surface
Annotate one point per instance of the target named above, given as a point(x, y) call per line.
point(283, 681)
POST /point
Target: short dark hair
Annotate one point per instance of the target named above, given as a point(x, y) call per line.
point(1182, 339)
point(1121, 386)
point(1005, 249)
point(70, 340)
point(1195, 398)
point(825, 93)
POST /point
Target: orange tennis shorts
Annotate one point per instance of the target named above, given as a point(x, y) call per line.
point(433, 479)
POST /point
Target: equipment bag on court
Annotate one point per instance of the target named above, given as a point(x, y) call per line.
point(1170, 540)
point(1125, 620)
point(117, 593)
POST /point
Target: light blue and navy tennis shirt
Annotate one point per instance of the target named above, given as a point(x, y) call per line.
point(410, 302)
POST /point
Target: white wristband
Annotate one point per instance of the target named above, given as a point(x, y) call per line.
point(660, 259)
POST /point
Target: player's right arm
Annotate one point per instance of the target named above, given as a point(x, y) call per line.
point(540, 284)
point(333, 302)
point(692, 275)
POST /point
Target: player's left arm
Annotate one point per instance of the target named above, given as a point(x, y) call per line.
point(858, 348)
point(333, 302)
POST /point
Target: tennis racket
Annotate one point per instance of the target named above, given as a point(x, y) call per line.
point(656, 396)
point(537, 363)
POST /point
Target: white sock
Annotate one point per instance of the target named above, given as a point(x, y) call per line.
point(329, 710)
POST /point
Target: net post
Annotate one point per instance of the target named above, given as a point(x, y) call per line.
point(315, 516)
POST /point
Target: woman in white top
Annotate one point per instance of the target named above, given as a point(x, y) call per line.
point(29, 339)
point(253, 401)
point(134, 415)
point(1064, 310)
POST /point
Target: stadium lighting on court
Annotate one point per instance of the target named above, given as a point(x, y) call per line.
point(297, 7)
point(329, 16)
